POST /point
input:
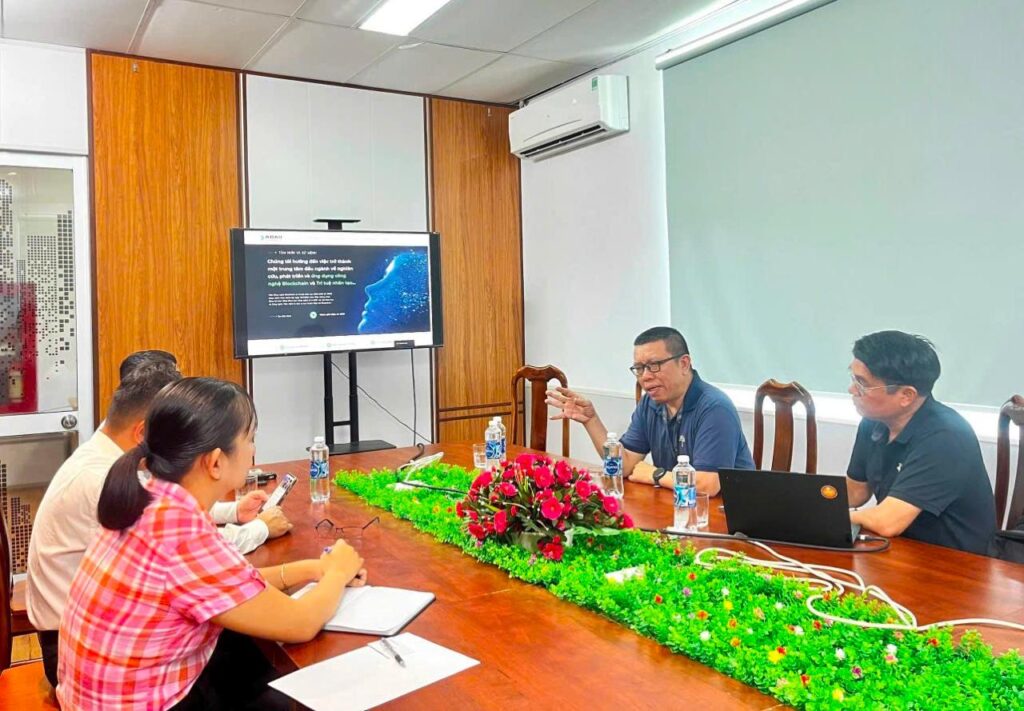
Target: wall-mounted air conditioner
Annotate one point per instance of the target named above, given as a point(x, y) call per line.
point(582, 112)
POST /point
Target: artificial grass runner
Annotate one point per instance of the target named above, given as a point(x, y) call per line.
point(746, 622)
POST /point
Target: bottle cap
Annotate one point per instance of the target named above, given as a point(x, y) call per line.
point(683, 459)
point(318, 440)
point(613, 435)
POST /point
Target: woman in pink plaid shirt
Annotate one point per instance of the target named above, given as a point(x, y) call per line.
point(145, 623)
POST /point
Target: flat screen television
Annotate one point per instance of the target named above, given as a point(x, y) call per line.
point(313, 291)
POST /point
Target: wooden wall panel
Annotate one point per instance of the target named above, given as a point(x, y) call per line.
point(165, 193)
point(476, 209)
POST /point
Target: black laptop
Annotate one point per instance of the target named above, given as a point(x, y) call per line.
point(782, 506)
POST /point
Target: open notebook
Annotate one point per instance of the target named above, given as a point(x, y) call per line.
point(375, 610)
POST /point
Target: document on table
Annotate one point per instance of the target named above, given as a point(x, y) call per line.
point(375, 610)
point(370, 676)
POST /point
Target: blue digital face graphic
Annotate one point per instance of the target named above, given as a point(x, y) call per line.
point(399, 301)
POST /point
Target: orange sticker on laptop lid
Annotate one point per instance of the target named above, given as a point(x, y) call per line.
point(829, 492)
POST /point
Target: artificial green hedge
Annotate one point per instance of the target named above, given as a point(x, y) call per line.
point(736, 618)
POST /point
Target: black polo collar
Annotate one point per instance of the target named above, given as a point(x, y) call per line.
point(690, 399)
point(919, 421)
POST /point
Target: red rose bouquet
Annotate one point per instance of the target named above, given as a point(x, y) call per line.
point(538, 503)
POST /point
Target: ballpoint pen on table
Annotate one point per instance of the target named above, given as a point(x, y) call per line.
point(392, 651)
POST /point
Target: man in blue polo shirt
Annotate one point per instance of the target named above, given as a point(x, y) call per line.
point(678, 414)
point(919, 458)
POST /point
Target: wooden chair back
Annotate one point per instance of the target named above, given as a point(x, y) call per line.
point(6, 591)
point(1011, 411)
point(538, 377)
point(785, 396)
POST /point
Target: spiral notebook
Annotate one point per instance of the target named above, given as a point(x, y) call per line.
point(375, 610)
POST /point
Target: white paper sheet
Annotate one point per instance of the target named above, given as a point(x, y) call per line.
point(375, 610)
point(369, 676)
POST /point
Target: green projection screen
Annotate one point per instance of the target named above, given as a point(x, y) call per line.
point(857, 168)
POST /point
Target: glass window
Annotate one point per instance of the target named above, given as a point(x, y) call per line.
point(38, 338)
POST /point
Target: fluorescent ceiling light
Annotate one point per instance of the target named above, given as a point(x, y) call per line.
point(774, 15)
point(400, 17)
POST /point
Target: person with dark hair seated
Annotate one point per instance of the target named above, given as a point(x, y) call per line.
point(678, 414)
point(919, 458)
point(65, 522)
point(144, 626)
point(244, 522)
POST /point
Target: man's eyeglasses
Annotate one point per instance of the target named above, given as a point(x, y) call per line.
point(654, 366)
point(862, 391)
point(325, 528)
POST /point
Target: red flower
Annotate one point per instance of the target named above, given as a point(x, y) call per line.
point(508, 474)
point(817, 625)
point(583, 489)
point(473, 516)
point(477, 531)
point(553, 551)
point(610, 505)
point(781, 650)
point(701, 615)
point(507, 488)
point(804, 679)
point(551, 509)
point(525, 461)
point(933, 642)
point(542, 476)
point(677, 551)
point(501, 521)
point(658, 599)
point(691, 576)
point(459, 511)
point(563, 472)
point(627, 521)
point(483, 480)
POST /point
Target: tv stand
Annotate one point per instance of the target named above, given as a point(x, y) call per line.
point(354, 446)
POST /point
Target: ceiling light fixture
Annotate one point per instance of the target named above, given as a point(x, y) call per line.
point(400, 17)
point(774, 15)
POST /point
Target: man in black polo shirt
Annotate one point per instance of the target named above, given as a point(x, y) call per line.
point(919, 458)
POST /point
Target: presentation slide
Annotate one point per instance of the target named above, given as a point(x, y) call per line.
point(309, 292)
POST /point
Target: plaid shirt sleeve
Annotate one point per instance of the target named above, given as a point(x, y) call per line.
point(209, 576)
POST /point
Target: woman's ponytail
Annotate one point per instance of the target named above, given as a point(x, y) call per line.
point(123, 497)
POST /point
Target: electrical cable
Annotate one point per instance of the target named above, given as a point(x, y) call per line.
point(884, 542)
point(822, 576)
point(412, 368)
point(372, 399)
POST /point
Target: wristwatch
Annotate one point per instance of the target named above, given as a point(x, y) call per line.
point(657, 475)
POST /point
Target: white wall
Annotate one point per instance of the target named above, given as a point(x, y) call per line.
point(316, 151)
point(595, 243)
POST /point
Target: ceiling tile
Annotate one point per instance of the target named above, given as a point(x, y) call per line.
point(425, 68)
point(193, 32)
point(610, 28)
point(314, 51)
point(497, 25)
point(98, 24)
point(337, 12)
point(272, 7)
point(512, 78)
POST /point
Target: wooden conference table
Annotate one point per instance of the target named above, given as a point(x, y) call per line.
point(536, 650)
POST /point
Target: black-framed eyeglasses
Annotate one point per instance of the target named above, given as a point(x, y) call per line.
point(325, 528)
point(654, 366)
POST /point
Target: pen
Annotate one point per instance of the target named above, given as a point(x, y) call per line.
point(393, 651)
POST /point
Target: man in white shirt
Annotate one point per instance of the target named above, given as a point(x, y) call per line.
point(66, 522)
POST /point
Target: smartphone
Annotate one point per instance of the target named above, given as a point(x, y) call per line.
point(278, 494)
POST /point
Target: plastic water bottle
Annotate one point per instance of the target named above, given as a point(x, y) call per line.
point(685, 478)
point(492, 444)
point(613, 466)
point(319, 482)
point(504, 440)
